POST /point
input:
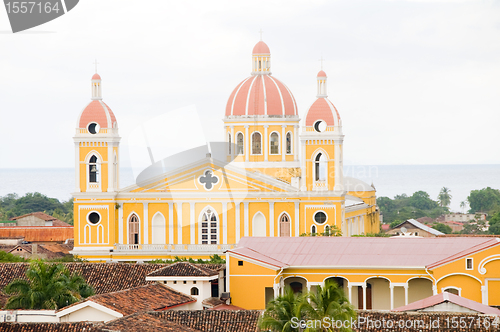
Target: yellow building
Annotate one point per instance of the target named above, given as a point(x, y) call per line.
point(375, 273)
point(274, 179)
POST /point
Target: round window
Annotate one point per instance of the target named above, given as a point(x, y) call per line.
point(93, 128)
point(320, 217)
point(94, 218)
point(320, 126)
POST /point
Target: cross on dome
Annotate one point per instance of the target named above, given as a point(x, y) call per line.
point(261, 32)
point(321, 60)
point(96, 63)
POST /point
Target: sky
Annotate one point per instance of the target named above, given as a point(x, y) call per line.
point(415, 82)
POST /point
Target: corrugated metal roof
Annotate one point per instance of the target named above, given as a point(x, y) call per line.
point(355, 251)
point(449, 297)
point(422, 227)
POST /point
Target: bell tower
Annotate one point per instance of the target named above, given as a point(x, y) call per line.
point(96, 145)
point(322, 144)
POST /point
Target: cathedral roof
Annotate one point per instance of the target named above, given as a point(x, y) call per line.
point(97, 111)
point(321, 73)
point(96, 77)
point(322, 109)
point(261, 48)
point(261, 95)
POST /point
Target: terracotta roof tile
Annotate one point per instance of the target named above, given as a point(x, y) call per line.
point(213, 320)
point(39, 215)
point(144, 322)
point(183, 269)
point(143, 298)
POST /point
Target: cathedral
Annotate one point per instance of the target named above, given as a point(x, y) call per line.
point(276, 177)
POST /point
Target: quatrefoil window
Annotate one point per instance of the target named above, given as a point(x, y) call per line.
point(208, 179)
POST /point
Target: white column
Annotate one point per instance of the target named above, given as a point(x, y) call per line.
point(336, 163)
point(391, 289)
point(308, 285)
point(303, 164)
point(484, 294)
point(295, 142)
point(364, 296)
point(233, 143)
point(192, 224)
point(434, 290)
point(247, 144)
point(271, 219)
point(297, 218)
point(111, 169)
point(406, 294)
point(224, 222)
point(238, 222)
point(77, 167)
point(179, 223)
point(283, 142)
point(120, 224)
point(265, 142)
point(171, 223)
point(245, 221)
point(146, 224)
point(276, 288)
point(349, 288)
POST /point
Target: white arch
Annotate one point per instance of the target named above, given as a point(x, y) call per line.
point(289, 221)
point(315, 228)
point(291, 142)
point(86, 230)
point(323, 164)
point(424, 277)
point(458, 273)
point(251, 143)
point(259, 224)
point(90, 154)
point(301, 277)
point(459, 290)
point(236, 143)
point(279, 145)
point(200, 220)
point(158, 225)
point(380, 277)
point(100, 233)
point(336, 276)
point(128, 230)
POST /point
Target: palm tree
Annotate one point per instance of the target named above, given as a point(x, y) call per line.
point(330, 303)
point(283, 311)
point(444, 197)
point(463, 205)
point(48, 286)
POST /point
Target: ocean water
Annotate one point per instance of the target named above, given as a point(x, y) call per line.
point(388, 180)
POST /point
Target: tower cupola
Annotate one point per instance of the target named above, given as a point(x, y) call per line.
point(261, 59)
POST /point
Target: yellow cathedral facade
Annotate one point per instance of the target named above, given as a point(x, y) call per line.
point(278, 177)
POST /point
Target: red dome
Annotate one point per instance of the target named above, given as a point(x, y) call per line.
point(322, 109)
point(96, 77)
point(321, 74)
point(261, 95)
point(261, 48)
point(97, 111)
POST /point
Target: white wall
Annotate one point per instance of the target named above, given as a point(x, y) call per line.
point(35, 316)
point(204, 288)
point(87, 314)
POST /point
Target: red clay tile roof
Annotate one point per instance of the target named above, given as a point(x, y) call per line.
point(183, 269)
point(212, 302)
point(144, 322)
point(143, 298)
point(104, 277)
point(226, 307)
point(39, 215)
point(49, 327)
point(38, 233)
point(213, 320)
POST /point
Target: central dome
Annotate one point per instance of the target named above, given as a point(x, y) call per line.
point(261, 94)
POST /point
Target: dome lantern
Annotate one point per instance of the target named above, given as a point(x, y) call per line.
point(261, 59)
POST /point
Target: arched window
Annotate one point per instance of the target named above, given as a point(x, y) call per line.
point(289, 143)
point(327, 230)
point(93, 170)
point(256, 143)
point(239, 141)
point(284, 225)
point(195, 291)
point(133, 229)
point(209, 227)
point(275, 143)
point(313, 230)
point(296, 287)
point(320, 167)
point(229, 143)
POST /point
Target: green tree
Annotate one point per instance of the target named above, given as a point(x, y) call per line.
point(444, 197)
point(8, 257)
point(329, 304)
point(443, 228)
point(48, 286)
point(395, 223)
point(476, 226)
point(495, 224)
point(421, 200)
point(484, 200)
point(280, 311)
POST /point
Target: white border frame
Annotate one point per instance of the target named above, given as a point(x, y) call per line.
point(236, 143)
point(291, 143)
point(89, 222)
point(317, 223)
point(279, 144)
point(261, 145)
